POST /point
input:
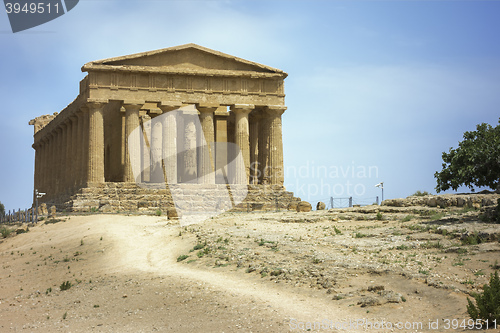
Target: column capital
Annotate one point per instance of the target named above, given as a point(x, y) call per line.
point(132, 106)
point(96, 103)
point(274, 110)
point(207, 107)
point(169, 106)
point(242, 108)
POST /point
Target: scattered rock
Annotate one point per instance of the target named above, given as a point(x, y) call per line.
point(320, 206)
point(304, 206)
point(369, 301)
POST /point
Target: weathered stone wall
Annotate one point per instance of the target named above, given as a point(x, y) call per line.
point(458, 200)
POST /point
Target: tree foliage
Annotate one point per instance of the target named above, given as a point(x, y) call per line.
point(476, 161)
point(2, 209)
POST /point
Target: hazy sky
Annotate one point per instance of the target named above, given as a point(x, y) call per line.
point(380, 88)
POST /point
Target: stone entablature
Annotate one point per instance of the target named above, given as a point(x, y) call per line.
point(236, 101)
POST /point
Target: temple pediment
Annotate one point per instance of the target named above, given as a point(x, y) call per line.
point(184, 58)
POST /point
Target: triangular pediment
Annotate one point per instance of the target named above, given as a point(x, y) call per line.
point(189, 57)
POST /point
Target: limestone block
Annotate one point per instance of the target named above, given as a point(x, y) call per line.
point(320, 206)
point(52, 211)
point(304, 206)
point(173, 213)
point(292, 206)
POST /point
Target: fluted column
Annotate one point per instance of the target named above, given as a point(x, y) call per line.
point(263, 143)
point(254, 149)
point(55, 163)
point(275, 144)
point(85, 146)
point(73, 155)
point(156, 150)
point(189, 158)
point(60, 158)
point(242, 140)
point(169, 143)
point(146, 148)
point(96, 143)
point(206, 174)
point(78, 150)
point(132, 141)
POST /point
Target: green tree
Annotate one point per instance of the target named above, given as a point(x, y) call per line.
point(2, 209)
point(487, 303)
point(476, 161)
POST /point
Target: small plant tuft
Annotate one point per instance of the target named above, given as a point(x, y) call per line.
point(65, 285)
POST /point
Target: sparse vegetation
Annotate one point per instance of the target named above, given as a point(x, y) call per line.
point(158, 212)
point(379, 216)
point(408, 218)
point(420, 193)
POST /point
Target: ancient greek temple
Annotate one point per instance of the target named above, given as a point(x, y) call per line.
point(146, 124)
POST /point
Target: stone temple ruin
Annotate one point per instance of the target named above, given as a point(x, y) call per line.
point(184, 127)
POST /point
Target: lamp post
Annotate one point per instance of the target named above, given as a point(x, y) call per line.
point(37, 196)
point(381, 185)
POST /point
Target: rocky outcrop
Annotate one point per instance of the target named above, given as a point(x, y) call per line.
point(447, 200)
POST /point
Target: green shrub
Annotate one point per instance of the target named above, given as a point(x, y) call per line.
point(379, 216)
point(496, 217)
point(182, 257)
point(487, 305)
point(65, 285)
point(158, 212)
point(5, 232)
point(420, 194)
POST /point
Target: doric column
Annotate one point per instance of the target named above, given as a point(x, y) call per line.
point(60, 155)
point(263, 143)
point(96, 143)
point(206, 170)
point(78, 150)
point(132, 141)
point(146, 148)
point(169, 144)
point(189, 158)
point(242, 140)
point(45, 164)
point(275, 144)
point(85, 146)
point(74, 152)
point(68, 156)
point(54, 163)
point(254, 150)
point(156, 150)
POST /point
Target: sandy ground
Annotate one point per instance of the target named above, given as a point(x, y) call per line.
point(252, 272)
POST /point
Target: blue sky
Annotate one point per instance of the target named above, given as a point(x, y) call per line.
point(378, 87)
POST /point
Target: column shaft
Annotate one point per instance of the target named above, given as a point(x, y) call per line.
point(156, 150)
point(189, 160)
point(169, 143)
point(276, 144)
point(242, 140)
point(254, 149)
point(96, 143)
point(206, 170)
point(132, 142)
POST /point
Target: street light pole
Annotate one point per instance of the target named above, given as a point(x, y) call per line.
point(381, 185)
